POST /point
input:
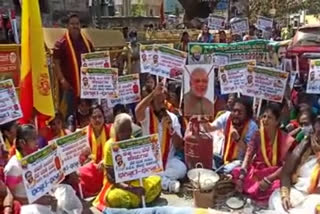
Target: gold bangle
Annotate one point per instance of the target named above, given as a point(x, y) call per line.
point(284, 192)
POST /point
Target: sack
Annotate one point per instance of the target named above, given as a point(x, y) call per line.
point(203, 199)
point(68, 202)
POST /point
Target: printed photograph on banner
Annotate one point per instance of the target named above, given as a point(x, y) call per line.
point(128, 90)
point(146, 54)
point(232, 77)
point(240, 26)
point(98, 83)
point(198, 86)
point(41, 171)
point(216, 22)
point(73, 150)
point(313, 85)
point(168, 62)
point(265, 83)
point(207, 53)
point(264, 23)
point(136, 158)
point(99, 59)
point(288, 67)
point(10, 108)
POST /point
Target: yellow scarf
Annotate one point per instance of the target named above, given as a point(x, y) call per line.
point(274, 148)
point(315, 177)
point(97, 144)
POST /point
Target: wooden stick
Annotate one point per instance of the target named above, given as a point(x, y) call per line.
point(259, 108)
point(80, 191)
point(143, 197)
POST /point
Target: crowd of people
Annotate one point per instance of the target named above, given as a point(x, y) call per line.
point(273, 158)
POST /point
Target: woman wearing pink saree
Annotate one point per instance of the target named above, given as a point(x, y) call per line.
point(259, 174)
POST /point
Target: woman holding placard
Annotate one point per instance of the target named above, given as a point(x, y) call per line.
point(127, 194)
point(26, 144)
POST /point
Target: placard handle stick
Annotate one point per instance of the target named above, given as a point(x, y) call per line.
point(99, 101)
point(2, 139)
point(259, 108)
point(80, 191)
point(297, 65)
point(254, 105)
point(157, 78)
point(143, 197)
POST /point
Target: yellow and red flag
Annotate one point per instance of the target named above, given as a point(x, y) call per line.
point(35, 88)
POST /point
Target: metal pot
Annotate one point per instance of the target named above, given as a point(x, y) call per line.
point(203, 179)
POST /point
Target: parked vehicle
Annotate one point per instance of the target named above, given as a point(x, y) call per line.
point(303, 47)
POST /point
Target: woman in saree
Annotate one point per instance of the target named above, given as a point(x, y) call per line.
point(300, 178)
point(26, 144)
point(259, 174)
point(91, 174)
point(57, 129)
point(125, 194)
point(9, 133)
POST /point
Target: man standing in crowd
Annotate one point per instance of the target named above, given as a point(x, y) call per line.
point(155, 119)
point(67, 61)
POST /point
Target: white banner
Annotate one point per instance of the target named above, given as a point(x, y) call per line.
point(232, 77)
point(98, 83)
point(216, 22)
point(240, 26)
point(313, 86)
point(266, 83)
point(264, 23)
point(41, 171)
point(10, 108)
point(96, 60)
point(136, 158)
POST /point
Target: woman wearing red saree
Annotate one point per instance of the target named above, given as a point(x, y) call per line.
point(91, 174)
point(260, 172)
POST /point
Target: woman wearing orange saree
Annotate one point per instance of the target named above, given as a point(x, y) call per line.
point(260, 172)
point(91, 174)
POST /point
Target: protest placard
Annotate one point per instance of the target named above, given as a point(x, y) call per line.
point(264, 23)
point(136, 158)
point(10, 63)
point(128, 90)
point(240, 26)
point(198, 86)
point(98, 83)
point(265, 83)
point(70, 148)
point(99, 59)
point(168, 62)
point(232, 76)
point(41, 171)
point(9, 103)
point(216, 22)
point(313, 85)
point(146, 53)
point(205, 53)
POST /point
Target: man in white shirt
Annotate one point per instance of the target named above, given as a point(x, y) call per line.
point(151, 112)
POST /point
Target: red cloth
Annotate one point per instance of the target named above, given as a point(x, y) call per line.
point(91, 180)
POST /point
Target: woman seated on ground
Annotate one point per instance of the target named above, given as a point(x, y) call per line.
point(91, 174)
point(57, 129)
point(9, 133)
point(300, 178)
point(26, 144)
point(127, 194)
point(259, 174)
point(304, 120)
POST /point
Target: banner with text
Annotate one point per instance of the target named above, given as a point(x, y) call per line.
point(265, 83)
point(10, 108)
point(313, 85)
point(216, 22)
point(128, 90)
point(264, 23)
point(136, 158)
point(98, 83)
point(10, 63)
point(41, 171)
point(70, 149)
point(207, 53)
point(240, 26)
point(99, 59)
point(233, 76)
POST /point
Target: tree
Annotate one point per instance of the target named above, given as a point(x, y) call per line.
point(138, 9)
